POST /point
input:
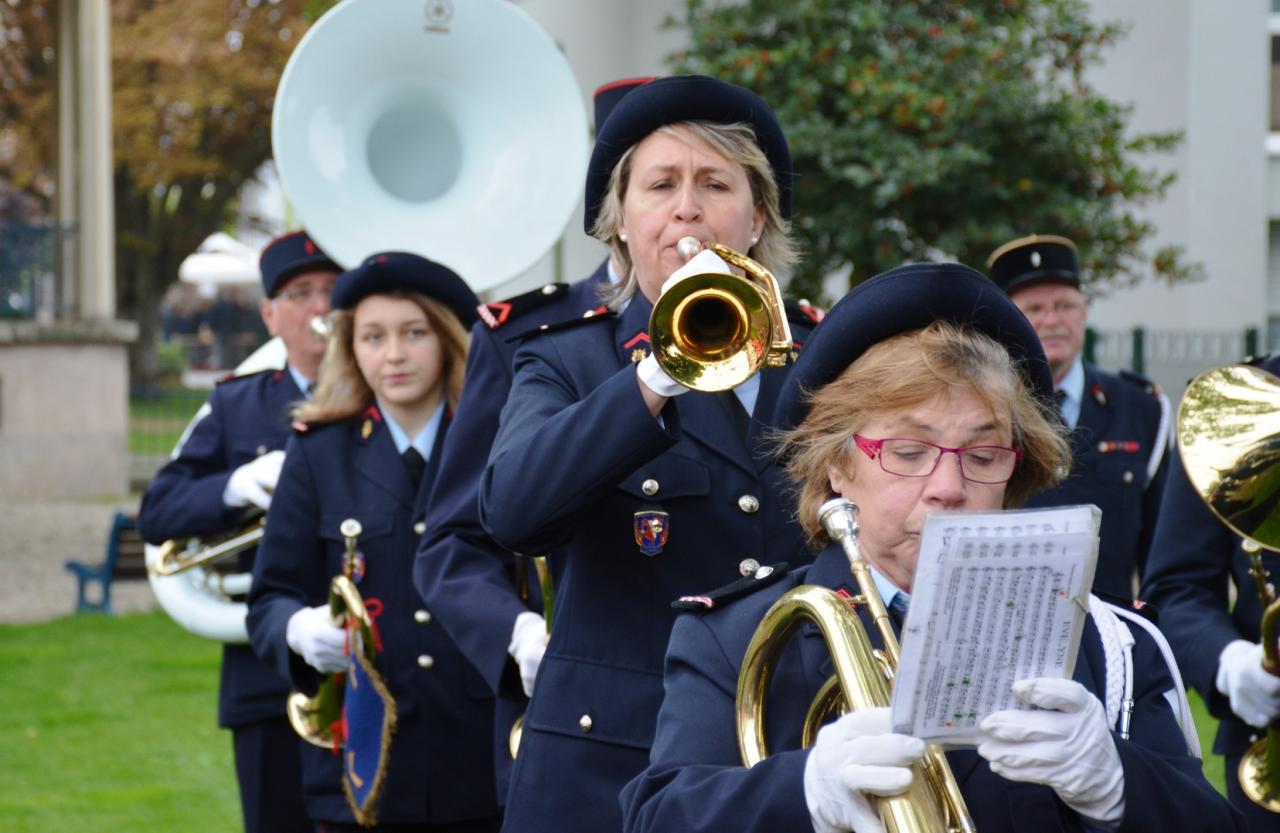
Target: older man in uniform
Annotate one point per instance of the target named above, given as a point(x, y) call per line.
point(224, 470)
point(1119, 423)
point(465, 578)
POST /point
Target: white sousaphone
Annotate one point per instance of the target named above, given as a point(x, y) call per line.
point(455, 130)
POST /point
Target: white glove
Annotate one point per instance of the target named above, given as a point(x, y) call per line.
point(1065, 744)
point(854, 757)
point(1254, 693)
point(528, 644)
point(700, 264)
point(312, 635)
point(254, 481)
point(653, 377)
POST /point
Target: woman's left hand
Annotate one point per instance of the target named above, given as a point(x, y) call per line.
point(1065, 744)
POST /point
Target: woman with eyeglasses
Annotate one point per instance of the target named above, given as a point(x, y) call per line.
point(924, 390)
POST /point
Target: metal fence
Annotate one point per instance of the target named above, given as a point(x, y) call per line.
point(36, 265)
point(1171, 358)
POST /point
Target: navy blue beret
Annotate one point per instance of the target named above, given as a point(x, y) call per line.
point(607, 96)
point(288, 255)
point(676, 99)
point(405, 272)
point(1038, 258)
point(902, 300)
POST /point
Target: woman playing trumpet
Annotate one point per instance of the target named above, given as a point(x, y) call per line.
point(363, 450)
point(636, 488)
point(923, 390)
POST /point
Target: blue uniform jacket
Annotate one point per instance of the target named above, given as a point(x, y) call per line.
point(1112, 444)
point(695, 780)
point(1194, 559)
point(441, 764)
point(577, 464)
point(247, 416)
point(465, 578)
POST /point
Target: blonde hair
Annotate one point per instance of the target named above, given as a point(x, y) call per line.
point(342, 393)
point(905, 371)
point(775, 249)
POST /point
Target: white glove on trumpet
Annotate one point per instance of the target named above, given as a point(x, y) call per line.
point(1254, 693)
point(253, 482)
point(1065, 744)
point(650, 372)
point(312, 635)
point(853, 758)
point(528, 644)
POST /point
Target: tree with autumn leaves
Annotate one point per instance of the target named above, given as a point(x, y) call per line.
point(925, 129)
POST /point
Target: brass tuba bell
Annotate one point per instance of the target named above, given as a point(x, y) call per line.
point(1229, 438)
point(863, 679)
point(712, 331)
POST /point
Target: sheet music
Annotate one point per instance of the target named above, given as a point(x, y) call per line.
point(997, 597)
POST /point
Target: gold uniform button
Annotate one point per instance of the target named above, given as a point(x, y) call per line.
point(422, 617)
point(1127, 477)
point(420, 527)
point(584, 723)
point(426, 661)
point(649, 487)
point(748, 566)
point(748, 504)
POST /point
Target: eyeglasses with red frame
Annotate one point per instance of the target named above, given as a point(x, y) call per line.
point(918, 458)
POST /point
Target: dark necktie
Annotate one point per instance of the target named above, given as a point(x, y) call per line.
point(737, 413)
point(898, 609)
point(414, 465)
point(1059, 396)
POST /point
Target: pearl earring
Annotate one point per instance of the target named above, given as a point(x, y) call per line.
point(622, 235)
point(755, 238)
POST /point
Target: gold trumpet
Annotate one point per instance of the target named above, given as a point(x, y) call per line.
point(712, 331)
point(1229, 438)
point(863, 679)
point(315, 718)
point(547, 589)
point(179, 556)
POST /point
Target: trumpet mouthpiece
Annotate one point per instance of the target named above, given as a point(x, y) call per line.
point(688, 247)
point(839, 517)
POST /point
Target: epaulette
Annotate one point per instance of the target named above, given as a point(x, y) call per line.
point(802, 312)
point(1145, 610)
point(496, 314)
point(1141, 381)
point(762, 577)
point(235, 377)
point(591, 316)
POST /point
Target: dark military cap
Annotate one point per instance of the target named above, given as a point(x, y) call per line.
point(405, 272)
point(607, 96)
point(676, 99)
point(288, 255)
point(902, 300)
point(1039, 258)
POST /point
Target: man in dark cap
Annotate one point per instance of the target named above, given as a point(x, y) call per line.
point(222, 473)
point(466, 579)
point(1119, 423)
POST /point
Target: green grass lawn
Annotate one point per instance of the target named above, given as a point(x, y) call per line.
point(110, 723)
point(157, 420)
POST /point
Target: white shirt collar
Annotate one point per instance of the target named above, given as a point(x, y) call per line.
point(423, 442)
point(303, 383)
point(886, 588)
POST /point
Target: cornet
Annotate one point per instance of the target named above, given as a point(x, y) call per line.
point(712, 331)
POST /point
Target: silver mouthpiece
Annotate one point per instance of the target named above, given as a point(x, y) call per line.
point(688, 247)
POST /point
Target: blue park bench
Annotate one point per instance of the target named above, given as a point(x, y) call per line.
point(126, 559)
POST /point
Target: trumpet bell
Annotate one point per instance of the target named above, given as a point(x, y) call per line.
point(712, 331)
point(391, 132)
point(1229, 438)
